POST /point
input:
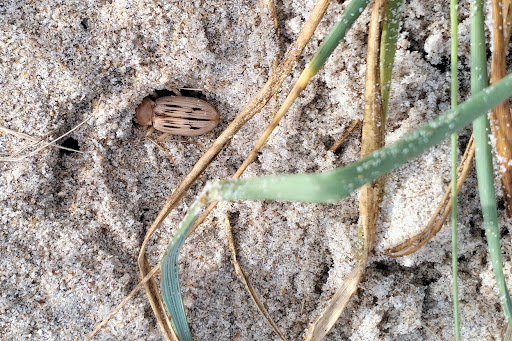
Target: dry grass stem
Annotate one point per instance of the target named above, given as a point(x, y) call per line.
point(372, 136)
point(248, 286)
point(336, 145)
point(437, 220)
point(34, 141)
point(256, 104)
point(336, 306)
point(432, 333)
point(371, 194)
point(501, 120)
point(507, 333)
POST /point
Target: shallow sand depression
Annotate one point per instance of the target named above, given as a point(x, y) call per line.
point(72, 223)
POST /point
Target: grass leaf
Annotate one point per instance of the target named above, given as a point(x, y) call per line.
point(454, 150)
point(483, 154)
point(333, 185)
point(388, 47)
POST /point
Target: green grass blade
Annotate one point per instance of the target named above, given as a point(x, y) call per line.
point(170, 284)
point(483, 155)
point(454, 147)
point(352, 12)
point(334, 185)
point(387, 49)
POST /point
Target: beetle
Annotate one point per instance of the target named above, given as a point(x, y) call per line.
point(177, 115)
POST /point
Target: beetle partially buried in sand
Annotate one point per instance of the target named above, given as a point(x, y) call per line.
point(177, 115)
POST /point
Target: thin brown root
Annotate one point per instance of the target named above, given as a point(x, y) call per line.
point(248, 286)
point(35, 142)
point(437, 220)
point(257, 103)
point(161, 148)
point(113, 312)
point(336, 145)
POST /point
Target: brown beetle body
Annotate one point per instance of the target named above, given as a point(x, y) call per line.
point(178, 115)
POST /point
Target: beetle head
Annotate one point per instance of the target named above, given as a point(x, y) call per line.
point(144, 112)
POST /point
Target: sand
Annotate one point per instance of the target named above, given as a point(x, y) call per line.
point(72, 223)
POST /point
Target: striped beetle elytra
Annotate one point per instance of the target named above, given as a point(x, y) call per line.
point(177, 115)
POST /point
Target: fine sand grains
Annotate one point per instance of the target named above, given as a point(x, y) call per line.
point(72, 224)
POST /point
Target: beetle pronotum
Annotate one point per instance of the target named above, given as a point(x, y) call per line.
point(177, 115)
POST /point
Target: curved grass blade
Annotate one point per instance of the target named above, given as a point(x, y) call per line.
point(333, 185)
point(171, 290)
point(483, 153)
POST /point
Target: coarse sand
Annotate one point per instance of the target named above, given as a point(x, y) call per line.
point(72, 223)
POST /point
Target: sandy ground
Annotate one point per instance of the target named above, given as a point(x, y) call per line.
point(72, 224)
